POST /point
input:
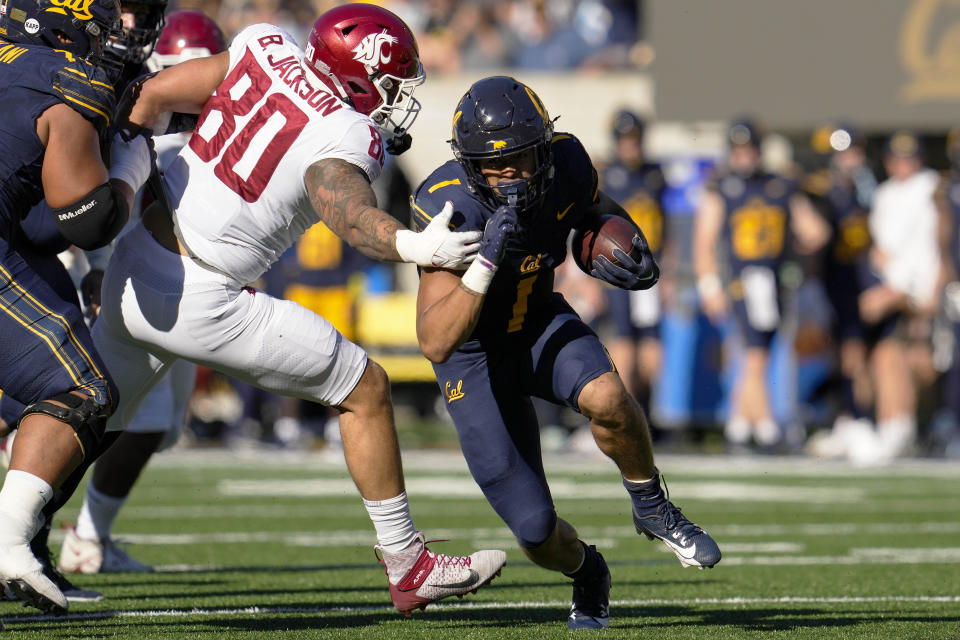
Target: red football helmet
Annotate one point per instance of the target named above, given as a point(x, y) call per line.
point(367, 56)
point(187, 35)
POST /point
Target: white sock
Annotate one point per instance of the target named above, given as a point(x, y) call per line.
point(766, 432)
point(737, 430)
point(22, 497)
point(98, 514)
point(391, 518)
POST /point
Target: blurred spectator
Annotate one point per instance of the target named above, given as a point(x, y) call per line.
point(565, 35)
point(901, 295)
point(750, 212)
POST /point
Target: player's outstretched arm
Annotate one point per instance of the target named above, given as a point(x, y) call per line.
point(449, 302)
point(183, 88)
point(343, 198)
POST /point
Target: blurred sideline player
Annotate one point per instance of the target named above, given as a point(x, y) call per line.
point(900, 293)
point(58, 95)
point(638, 185)
point(843, 193)
point(88, 548)
point(752, 214)
point(948, 231)
point(285, 138)
point(499, 335)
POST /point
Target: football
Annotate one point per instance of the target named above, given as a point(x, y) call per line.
point(612, 232)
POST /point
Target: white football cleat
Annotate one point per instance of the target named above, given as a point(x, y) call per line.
point(81, 555)
point(418, 576)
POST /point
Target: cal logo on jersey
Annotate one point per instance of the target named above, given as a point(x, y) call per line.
point(530, 264)
point(453, 392)
point(370, 51)
point(79, 8)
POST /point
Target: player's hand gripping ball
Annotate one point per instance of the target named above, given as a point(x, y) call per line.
point(614, 250)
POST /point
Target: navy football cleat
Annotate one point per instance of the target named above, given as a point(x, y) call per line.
point(692, 545)
point(591, 602)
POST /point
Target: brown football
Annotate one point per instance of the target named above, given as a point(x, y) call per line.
point(612, 232)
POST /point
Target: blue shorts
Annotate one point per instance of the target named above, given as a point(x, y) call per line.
point(45, 346)
point(842, 286)
point(488, 389)
point(625, 321)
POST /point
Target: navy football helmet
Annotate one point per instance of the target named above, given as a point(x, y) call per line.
point(500, 117)
point(744, 132)
point(81, 27)
point(627, 123)
point(135, 43)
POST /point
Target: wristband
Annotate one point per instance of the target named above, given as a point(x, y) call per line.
point(478, 276)
point(708, 285)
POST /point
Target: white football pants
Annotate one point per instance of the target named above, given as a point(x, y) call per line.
point(158, 306)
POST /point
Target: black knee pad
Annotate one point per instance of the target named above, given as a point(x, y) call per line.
point(86, 417)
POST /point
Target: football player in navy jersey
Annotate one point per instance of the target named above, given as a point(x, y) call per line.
point(125, 52)
point(754, 215)
point(638, 185)
point(58, 100)
point(498, 334)
point(842, 192)
point(948, 207)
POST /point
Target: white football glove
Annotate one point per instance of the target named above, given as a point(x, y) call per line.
point(437, 245)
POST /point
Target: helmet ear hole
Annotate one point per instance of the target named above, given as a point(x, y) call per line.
point(346, 30)
point(356, 88)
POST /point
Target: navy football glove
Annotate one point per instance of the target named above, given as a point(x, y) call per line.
point(496, 232)
point(629, 274)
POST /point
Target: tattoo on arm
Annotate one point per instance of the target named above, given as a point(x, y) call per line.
point(343, 198)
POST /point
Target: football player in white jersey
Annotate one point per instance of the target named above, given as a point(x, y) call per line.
point(88, 547)
point(285, 138)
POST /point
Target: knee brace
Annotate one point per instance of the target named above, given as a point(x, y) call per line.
point(86, 417)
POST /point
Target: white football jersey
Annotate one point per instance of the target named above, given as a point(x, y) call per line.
point(237, 188)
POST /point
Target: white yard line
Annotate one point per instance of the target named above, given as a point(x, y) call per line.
point(672, 465)
point(365, 537)
point(460, 487)
point(552, 604)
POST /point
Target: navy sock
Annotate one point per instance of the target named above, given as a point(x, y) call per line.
point(646, 496)
point(592, 566)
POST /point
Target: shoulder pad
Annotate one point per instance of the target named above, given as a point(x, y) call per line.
point(87, 89)
point(446, 183)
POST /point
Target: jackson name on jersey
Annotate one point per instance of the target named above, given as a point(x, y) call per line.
point(245, 202)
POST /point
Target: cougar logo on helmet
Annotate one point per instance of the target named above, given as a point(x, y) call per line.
point(370, 52)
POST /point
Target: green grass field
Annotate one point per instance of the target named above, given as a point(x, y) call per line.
point(268, 545)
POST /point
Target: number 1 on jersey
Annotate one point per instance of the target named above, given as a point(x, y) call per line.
point(524, 289)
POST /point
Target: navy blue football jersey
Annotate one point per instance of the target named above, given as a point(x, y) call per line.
point(33, 79)
point(756, 220)
point(639, 191)
point(846, 208)
point(521, 292)
point(948, 197)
